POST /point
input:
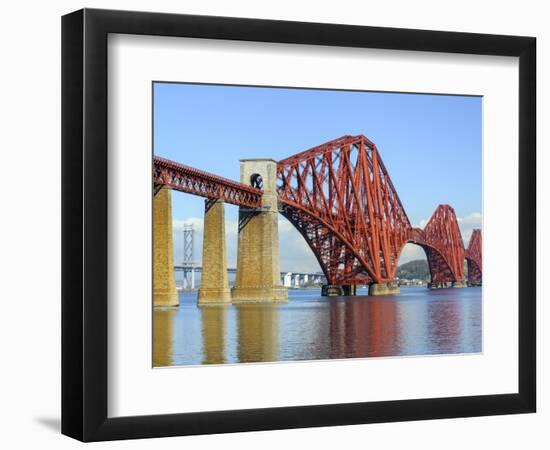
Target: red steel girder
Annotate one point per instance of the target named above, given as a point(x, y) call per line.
point(340, 197)
point(440, 271)
point(474, 258)
point(443, 234)
point(442, 242)
point(193, 181)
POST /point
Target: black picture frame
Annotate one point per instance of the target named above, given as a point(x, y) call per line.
point(84, 224)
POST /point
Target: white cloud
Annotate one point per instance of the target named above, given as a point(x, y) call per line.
point(474, 219)
point(467, 225)
point(198, 224)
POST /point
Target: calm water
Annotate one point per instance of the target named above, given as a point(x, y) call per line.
point(416, 322)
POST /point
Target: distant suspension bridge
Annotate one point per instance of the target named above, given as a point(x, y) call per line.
point(190, 267)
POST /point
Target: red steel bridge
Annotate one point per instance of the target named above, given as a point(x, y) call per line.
point(340, 197)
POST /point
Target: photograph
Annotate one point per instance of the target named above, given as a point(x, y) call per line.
point(274, 226)
point(269, 226)
point(301, 224)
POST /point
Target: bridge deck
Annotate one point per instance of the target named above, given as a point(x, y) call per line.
point(204, 184)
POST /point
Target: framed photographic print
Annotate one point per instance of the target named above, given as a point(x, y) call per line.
point(266, 224)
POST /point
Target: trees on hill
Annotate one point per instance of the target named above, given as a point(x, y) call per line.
point(417, 268)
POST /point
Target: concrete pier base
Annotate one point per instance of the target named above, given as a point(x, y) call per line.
point(164, 279)
point(338, 290)
point(378, 289)
point(258, 294)
point(393, 288)
point(214, 288)
point(459, 284)
point(258, 269)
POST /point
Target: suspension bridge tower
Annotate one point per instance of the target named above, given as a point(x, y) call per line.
point(189, 264)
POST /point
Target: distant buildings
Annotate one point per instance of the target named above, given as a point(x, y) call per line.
point(411, 282)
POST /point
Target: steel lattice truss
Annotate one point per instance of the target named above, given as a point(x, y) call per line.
point(474, 258)
point(341, 199)
point(187, 179)
point(442, 241)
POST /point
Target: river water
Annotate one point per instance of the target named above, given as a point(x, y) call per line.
point(419, 321)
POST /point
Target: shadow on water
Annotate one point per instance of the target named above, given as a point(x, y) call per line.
point(310, 327)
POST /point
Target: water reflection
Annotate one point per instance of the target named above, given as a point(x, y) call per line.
point(214, 334)
point(163, 345)
point(363, 327)
point(309, 327)
point(258, 333)
point(446, 336)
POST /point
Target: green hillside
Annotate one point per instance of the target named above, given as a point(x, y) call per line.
point(414, 269)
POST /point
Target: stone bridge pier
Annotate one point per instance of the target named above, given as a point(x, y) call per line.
point(258, 269)
point(164, 279)
point(214, 284)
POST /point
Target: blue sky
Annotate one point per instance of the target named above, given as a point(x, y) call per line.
point(430, 144)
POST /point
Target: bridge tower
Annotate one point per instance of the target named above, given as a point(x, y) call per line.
point(258, 273)
point(214, 288)
point(164, 279)
point(189, 263)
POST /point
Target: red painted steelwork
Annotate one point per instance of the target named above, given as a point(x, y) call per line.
point(442, 241)
point(187, 179)
point(340, 197)
point(474, 258)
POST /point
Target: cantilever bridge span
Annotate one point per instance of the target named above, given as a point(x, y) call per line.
point(340, 197)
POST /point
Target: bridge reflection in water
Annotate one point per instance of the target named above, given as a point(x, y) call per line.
point(163, 330)
point(214, 330)
point(311, 327)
